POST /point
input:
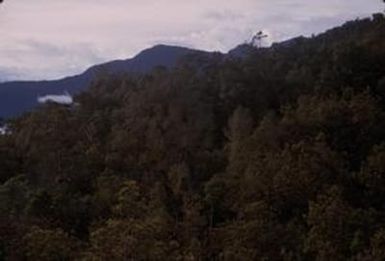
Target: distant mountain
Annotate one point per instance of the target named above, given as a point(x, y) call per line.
point(21, 96)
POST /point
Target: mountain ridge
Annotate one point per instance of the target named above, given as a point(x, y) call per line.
point(17, 97)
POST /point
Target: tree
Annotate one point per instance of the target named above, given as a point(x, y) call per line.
point(333, 226)
point(14, 194)
point(256, 40)
point(45, 244)
point(240, 127)
point(130, 203)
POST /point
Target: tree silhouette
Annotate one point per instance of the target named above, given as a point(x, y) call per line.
point(256, 40)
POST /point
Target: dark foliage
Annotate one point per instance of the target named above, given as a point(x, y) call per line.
point(277, 155)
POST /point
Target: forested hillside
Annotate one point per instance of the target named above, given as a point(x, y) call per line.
point(278, 154)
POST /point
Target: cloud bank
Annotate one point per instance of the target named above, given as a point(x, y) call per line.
point(45, 39)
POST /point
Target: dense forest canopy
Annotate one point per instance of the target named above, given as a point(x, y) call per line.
point(278, 155)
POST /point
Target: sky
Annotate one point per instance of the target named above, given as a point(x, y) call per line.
point(49, 39)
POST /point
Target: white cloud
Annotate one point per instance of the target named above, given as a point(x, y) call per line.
point(65, 99)
point(4, 130)
point(53, 38)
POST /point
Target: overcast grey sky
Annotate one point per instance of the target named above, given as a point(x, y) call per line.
point(46, 39)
